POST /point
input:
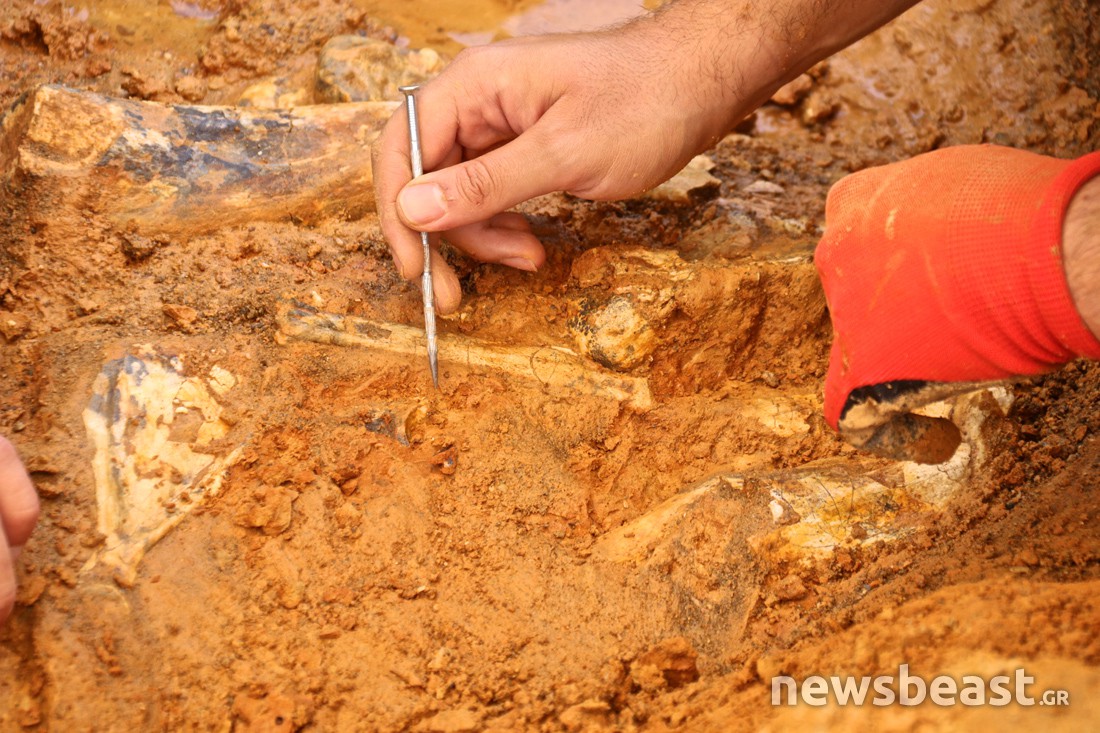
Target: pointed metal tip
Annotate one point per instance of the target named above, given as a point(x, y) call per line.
point(435, 371)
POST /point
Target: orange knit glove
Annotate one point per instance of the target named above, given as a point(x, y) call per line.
point(943, 272)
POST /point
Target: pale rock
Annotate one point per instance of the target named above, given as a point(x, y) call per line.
point(358, 69)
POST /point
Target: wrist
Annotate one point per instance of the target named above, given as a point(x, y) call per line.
point(1081, 252)
point(742, 51)
point(720, 59)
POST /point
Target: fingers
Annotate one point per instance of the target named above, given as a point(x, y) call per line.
point(391, 171)
point(445, 285)
point(478, 189)
point(7, 579)
point(18, 513)
point(18, 499)
point(506, 239)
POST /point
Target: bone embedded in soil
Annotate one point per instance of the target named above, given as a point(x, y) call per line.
point(829, 503)
point(553, 367)
point(152, 429)
point(152, 169)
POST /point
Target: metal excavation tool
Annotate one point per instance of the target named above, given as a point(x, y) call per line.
point(426, 279)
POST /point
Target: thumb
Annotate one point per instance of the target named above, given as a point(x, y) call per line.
point(480, 188)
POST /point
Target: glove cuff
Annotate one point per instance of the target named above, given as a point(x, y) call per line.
point(1048, 277)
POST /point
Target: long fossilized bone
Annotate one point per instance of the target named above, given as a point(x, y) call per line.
point(165, 169)
point(555, 367)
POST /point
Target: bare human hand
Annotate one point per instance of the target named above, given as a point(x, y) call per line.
point(18, 514)
point(514, 120)
point(603, 115)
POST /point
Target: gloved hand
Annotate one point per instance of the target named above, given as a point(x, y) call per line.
point(18, 513)
point(942, 273)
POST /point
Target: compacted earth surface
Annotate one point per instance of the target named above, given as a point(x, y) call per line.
point(244, 529)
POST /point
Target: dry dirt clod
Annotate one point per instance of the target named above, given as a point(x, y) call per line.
point(586, 715)
point(13, 325)
point(183, 316)
point(271, 510)
point(671, 664)
point(273, 713)
point(191, 88)
point(451, 721)
point(790, 588)
point(137, 248)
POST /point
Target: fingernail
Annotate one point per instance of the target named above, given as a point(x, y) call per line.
point(520, 263)
point(421, 204)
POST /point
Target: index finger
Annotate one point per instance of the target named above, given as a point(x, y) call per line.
point(18, 499)
point(8, 587)
point(392, 169)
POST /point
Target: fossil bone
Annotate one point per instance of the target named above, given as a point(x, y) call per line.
point(152, 428)
point(159, 169)
point(553, 366)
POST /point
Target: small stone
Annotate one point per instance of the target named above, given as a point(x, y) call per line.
point(274, 93)
point(765, 187)
point(221, 379)
point(13, 325)
point(816, 110)
point(694, 177)
point(770, 379)
point(446, 460)
point(793, 91)
point(782, 513)
point(86, 306)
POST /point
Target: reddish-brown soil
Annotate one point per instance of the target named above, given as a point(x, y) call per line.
point(341, 580)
